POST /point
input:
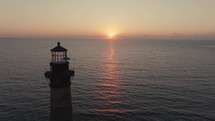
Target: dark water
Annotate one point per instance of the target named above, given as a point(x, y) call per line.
point(114, 81)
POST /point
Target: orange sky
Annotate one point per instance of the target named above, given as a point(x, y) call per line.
point(100, 17)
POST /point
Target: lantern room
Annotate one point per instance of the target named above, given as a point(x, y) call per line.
point(59, 74)
point(59, 54)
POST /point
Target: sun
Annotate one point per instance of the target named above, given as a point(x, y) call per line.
point(111, 35)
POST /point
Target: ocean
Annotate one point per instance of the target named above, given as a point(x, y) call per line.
point(124, 80)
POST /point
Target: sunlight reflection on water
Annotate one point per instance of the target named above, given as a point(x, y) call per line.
point(110, 84)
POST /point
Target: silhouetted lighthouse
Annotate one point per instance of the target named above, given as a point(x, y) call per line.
point(59, 76)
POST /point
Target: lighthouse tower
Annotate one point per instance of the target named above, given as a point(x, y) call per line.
point(59, 76)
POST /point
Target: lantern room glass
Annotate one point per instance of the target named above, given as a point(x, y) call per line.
point(59, 57)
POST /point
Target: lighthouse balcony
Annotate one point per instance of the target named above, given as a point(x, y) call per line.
point(50, 74)
point(59, 80)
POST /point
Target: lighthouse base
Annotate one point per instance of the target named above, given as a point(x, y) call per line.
point(61, 104)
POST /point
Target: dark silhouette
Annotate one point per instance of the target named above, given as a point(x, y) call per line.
point(59, 76)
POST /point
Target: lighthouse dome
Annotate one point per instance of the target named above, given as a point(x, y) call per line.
point(58, 48)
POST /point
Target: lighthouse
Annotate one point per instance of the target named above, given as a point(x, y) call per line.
point(60, 93)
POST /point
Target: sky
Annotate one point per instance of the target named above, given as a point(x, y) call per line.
point(107, 17)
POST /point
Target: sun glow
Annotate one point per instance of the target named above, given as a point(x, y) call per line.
point(111, 34)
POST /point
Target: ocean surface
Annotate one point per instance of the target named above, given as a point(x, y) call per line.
point(125, 80)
